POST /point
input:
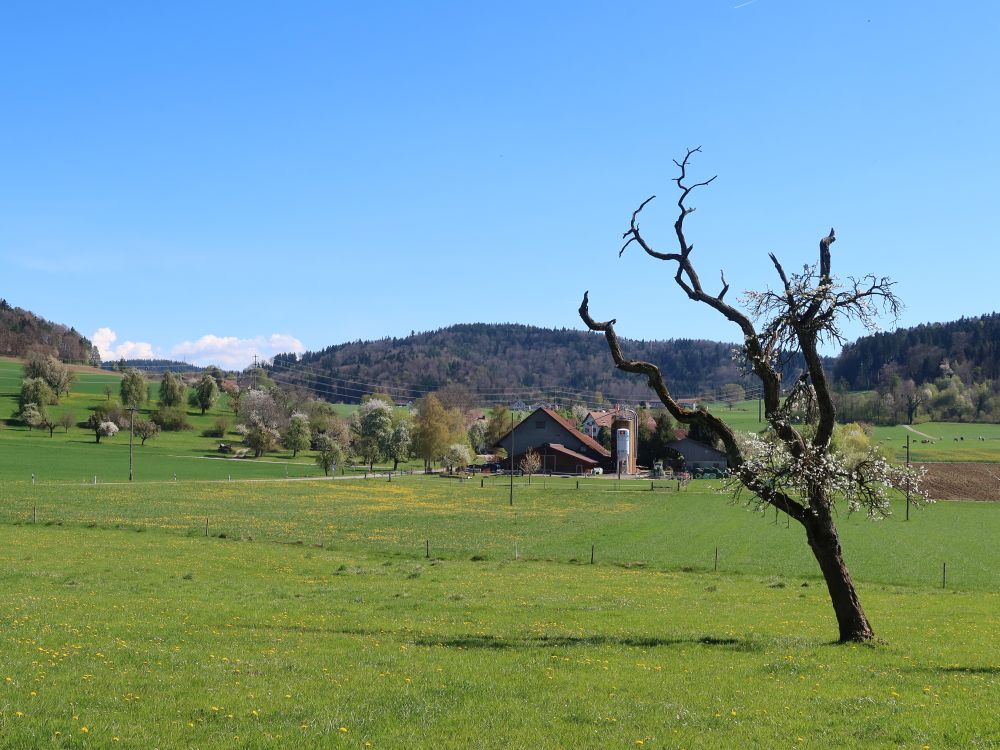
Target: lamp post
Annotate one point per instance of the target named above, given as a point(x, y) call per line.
point(907, 477)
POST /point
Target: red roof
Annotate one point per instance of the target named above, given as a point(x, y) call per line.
point(585, 439)
point(559, 448)
point(602, 418)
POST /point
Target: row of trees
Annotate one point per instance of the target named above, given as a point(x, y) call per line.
point(898, 400)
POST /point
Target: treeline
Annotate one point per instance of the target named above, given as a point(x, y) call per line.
point(22, 332)
point(503, 362)
point(152, 365)
point(968, 348)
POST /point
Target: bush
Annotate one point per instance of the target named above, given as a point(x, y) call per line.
point(171, 418)
point(218, 428)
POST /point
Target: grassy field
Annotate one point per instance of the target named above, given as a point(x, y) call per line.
point(426, 612)
point(331, 628)
point(74, 456)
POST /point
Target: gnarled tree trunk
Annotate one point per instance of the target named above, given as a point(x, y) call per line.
point(807, 476)
point(824, 541)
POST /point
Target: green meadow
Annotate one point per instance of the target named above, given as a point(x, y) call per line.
point(314, 614)
point(427, 612)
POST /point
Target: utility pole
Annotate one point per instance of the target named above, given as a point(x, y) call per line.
point(512, 457)
point(131, 433)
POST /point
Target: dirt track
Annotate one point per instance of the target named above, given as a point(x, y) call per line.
point(963, 481)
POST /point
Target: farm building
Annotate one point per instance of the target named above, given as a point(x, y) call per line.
point(562, 448)
point(687, 455)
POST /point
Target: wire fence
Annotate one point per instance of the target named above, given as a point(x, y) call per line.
point(433, 526)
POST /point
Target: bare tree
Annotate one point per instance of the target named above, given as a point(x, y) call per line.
point(792, 465)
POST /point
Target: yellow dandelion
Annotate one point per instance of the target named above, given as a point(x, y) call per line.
point(343, 729)
point(84, 730)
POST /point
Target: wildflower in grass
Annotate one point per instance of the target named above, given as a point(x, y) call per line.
point(84, 730)
point(343, 729)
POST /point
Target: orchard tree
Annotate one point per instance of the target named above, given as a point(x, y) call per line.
point(259, 435)
point(530, 463)
point(31, 415)
point(329, 453)
point(372, 430)
point(51, 370)
point(477, 436)
point(499, 424)
point(171, 390)
point(132, 389)
point(36, 391)
point(732, 392)
point(101, 426)
point(457, 455)
point(431, 423)
point(146, 429)
point(400, 442)
point(66, 420)
point(297, 434)
point(205, 394)
point(794, 465)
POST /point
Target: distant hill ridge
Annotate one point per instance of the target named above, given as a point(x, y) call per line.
point(970, 346)
point(22, 330)
point(505, 361)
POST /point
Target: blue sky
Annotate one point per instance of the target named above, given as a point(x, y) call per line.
point(211, 180)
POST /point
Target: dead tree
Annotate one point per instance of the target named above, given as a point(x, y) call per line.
point(793, 465)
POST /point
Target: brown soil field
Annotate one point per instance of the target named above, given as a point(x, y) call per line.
point(962, 481)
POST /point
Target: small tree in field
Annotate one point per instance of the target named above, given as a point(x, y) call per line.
point(297, 435)
point(205, 394)
point(66, 420)
point(530, 463)
point(328, 453)
point(146, 429)
point(101, 427)
point(400, 443)
point(372, 429)
point(794, 465)
point(171, 390)
point(36, 391)
point(456, 455)
point(32, 416)
point(132, 389)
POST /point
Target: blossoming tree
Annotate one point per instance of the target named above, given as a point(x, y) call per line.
point(793, 464)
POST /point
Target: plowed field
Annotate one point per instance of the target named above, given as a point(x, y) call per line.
point(963, 481)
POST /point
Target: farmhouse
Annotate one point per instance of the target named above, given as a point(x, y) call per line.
point(562, 448)
point(595, 420)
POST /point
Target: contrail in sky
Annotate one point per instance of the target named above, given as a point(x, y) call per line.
point(748, 2)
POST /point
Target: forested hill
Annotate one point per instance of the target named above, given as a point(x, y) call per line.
point(502, 362)
point(22, 331)
point(969, 347)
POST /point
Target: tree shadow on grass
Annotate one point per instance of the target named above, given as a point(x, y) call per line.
point(559, 641)
point(956, 669)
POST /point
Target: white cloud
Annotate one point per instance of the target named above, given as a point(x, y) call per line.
point(233, 353)
point(104, 339)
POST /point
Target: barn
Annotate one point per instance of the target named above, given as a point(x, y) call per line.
point(562, 448)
